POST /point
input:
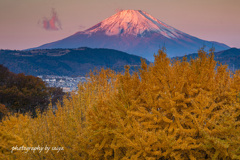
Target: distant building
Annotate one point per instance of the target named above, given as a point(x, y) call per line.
point(66, 89)
point(68, 84)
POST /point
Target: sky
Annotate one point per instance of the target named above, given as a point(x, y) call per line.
point(31, 23)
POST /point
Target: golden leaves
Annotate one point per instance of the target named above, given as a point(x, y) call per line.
point(169, 110)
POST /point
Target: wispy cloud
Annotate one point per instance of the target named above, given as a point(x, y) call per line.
point(52, 24)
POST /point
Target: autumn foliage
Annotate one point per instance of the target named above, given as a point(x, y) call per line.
point(168, 110)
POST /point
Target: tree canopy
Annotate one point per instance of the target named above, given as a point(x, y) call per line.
point(175, 110)
point(21, 93)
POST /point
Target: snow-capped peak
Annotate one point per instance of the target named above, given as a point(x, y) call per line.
point(134, 22)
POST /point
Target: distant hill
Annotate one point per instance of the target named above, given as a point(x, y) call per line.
point(66, 62)
point(231, 57)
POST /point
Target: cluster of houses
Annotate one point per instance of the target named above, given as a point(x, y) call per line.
point(68, 84)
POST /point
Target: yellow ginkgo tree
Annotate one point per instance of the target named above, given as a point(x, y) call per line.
point(170, 109)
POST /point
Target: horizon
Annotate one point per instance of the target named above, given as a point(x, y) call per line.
point(31, 24)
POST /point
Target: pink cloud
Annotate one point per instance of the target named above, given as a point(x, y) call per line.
point(52, 24)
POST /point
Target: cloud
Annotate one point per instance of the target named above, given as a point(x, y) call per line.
point(52, 24)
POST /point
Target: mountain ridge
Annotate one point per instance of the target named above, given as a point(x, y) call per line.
point(230, 57)
point(66, 62)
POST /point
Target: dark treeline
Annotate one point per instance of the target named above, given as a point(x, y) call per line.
point(21, 93)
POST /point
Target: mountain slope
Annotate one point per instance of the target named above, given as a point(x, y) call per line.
point(230, 57)
point(66, 62)
point(135, 32)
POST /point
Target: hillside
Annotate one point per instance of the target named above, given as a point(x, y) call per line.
point(66, 62)
point(230, 57)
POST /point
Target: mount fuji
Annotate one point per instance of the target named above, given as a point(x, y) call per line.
point(135, 32)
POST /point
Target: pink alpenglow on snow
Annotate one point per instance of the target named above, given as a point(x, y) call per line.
point(135, 22)
point(53, 24)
